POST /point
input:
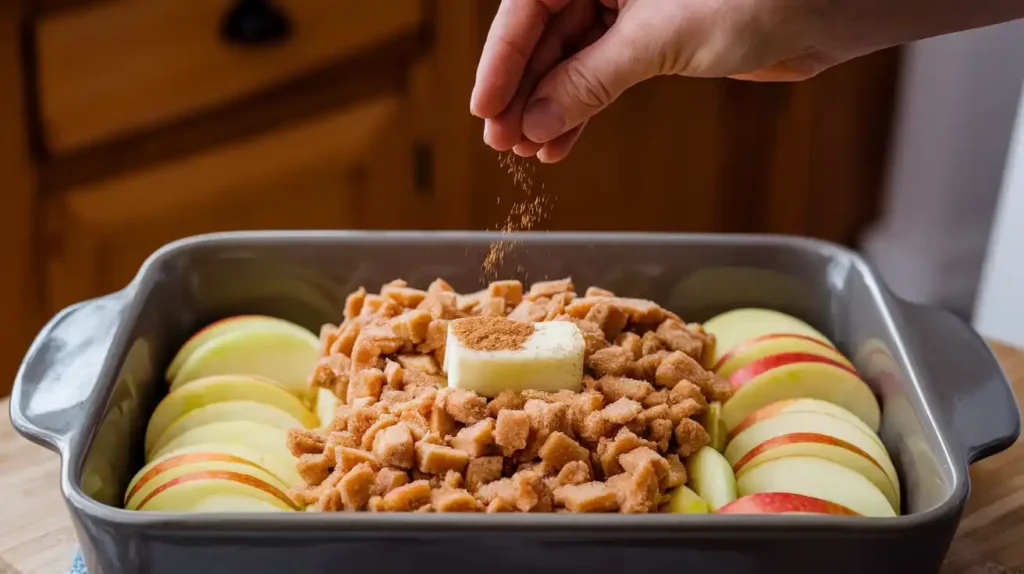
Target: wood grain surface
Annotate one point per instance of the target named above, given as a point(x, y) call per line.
point(36, 535)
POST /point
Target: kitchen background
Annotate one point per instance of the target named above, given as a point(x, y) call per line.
point(126, 124)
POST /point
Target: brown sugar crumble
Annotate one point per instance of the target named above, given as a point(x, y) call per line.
point(402, 441)
point(491, 333)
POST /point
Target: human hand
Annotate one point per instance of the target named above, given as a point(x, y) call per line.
point(548, 66)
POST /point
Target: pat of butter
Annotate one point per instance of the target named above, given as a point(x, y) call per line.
point(551, 359)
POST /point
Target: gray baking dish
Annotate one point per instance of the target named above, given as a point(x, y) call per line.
point(93, 375)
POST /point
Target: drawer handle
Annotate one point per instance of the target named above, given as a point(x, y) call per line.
point(255, 23)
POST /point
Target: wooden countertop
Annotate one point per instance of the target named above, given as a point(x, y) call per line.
point(36, 535)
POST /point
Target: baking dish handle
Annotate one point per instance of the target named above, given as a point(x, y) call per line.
point(977, 398)
point(61, 368)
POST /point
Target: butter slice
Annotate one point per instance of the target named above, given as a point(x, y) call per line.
point(550, 360)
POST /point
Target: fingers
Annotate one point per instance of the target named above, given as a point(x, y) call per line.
point(504, 131)
point(585, 84)
point(558, 149)
point(517, 27)
point(527, 148)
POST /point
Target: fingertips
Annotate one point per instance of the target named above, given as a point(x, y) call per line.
point(505, 130)
point(502, 134)
point(527, 148)
point(558, 149)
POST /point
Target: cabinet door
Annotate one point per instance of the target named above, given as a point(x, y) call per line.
point(107, 69)
point(311, 175)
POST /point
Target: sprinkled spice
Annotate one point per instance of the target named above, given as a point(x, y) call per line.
point(492, 333)
point(524, 215)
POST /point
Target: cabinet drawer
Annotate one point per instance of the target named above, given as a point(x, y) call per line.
point(112, 67)
point(301, 177)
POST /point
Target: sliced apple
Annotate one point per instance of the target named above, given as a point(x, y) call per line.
point(151, 479)
point(803, 405)
point(283, 468)
point(224, 412)
point(184, 491)
point(803, 378)
point(775, 344)
point(711, 477)
point(257, 436)
point(229, 325)
point(783, 503)
point(815, 434)
point(282, 355)
point(817, 477)
point(739, 325)
point(234, 503)
point(326, 403)
point(740, 376)
point(217, 389)
point(712, 422)
point(685, 501)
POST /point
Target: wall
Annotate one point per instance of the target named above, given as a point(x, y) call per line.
point(1000, 309)
point(955, 114)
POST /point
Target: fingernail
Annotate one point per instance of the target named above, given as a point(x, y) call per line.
point(542, 121)
point(487, 133)
point(524, 151)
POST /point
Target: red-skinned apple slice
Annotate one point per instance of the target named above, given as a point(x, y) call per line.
point(235, 324)
point(734, 327)
point(184, 492)
point(153, 469)
point(816, 379)
point(154, 480)
point(822, 446)
point(775, 344)
point(802, 405)
point(815, 434)
point(283, 468)
point(820, 478)
point(783, 503)
point(743, 375)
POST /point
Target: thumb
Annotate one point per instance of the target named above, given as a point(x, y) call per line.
point(584, 85)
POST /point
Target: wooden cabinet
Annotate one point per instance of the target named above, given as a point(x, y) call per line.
point(300, 177)
point(127, 124)
point(113, 67)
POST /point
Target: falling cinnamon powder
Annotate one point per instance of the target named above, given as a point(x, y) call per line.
point(524, 215)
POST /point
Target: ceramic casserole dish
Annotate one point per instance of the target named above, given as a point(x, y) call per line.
point(93, 375)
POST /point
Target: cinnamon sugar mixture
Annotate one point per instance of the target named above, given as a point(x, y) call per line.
point(524, 215)
point(492, 333)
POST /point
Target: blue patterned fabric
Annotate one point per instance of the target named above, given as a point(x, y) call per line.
point(78, 566)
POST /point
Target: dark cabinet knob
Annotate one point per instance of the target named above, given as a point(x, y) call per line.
point(255, 23)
